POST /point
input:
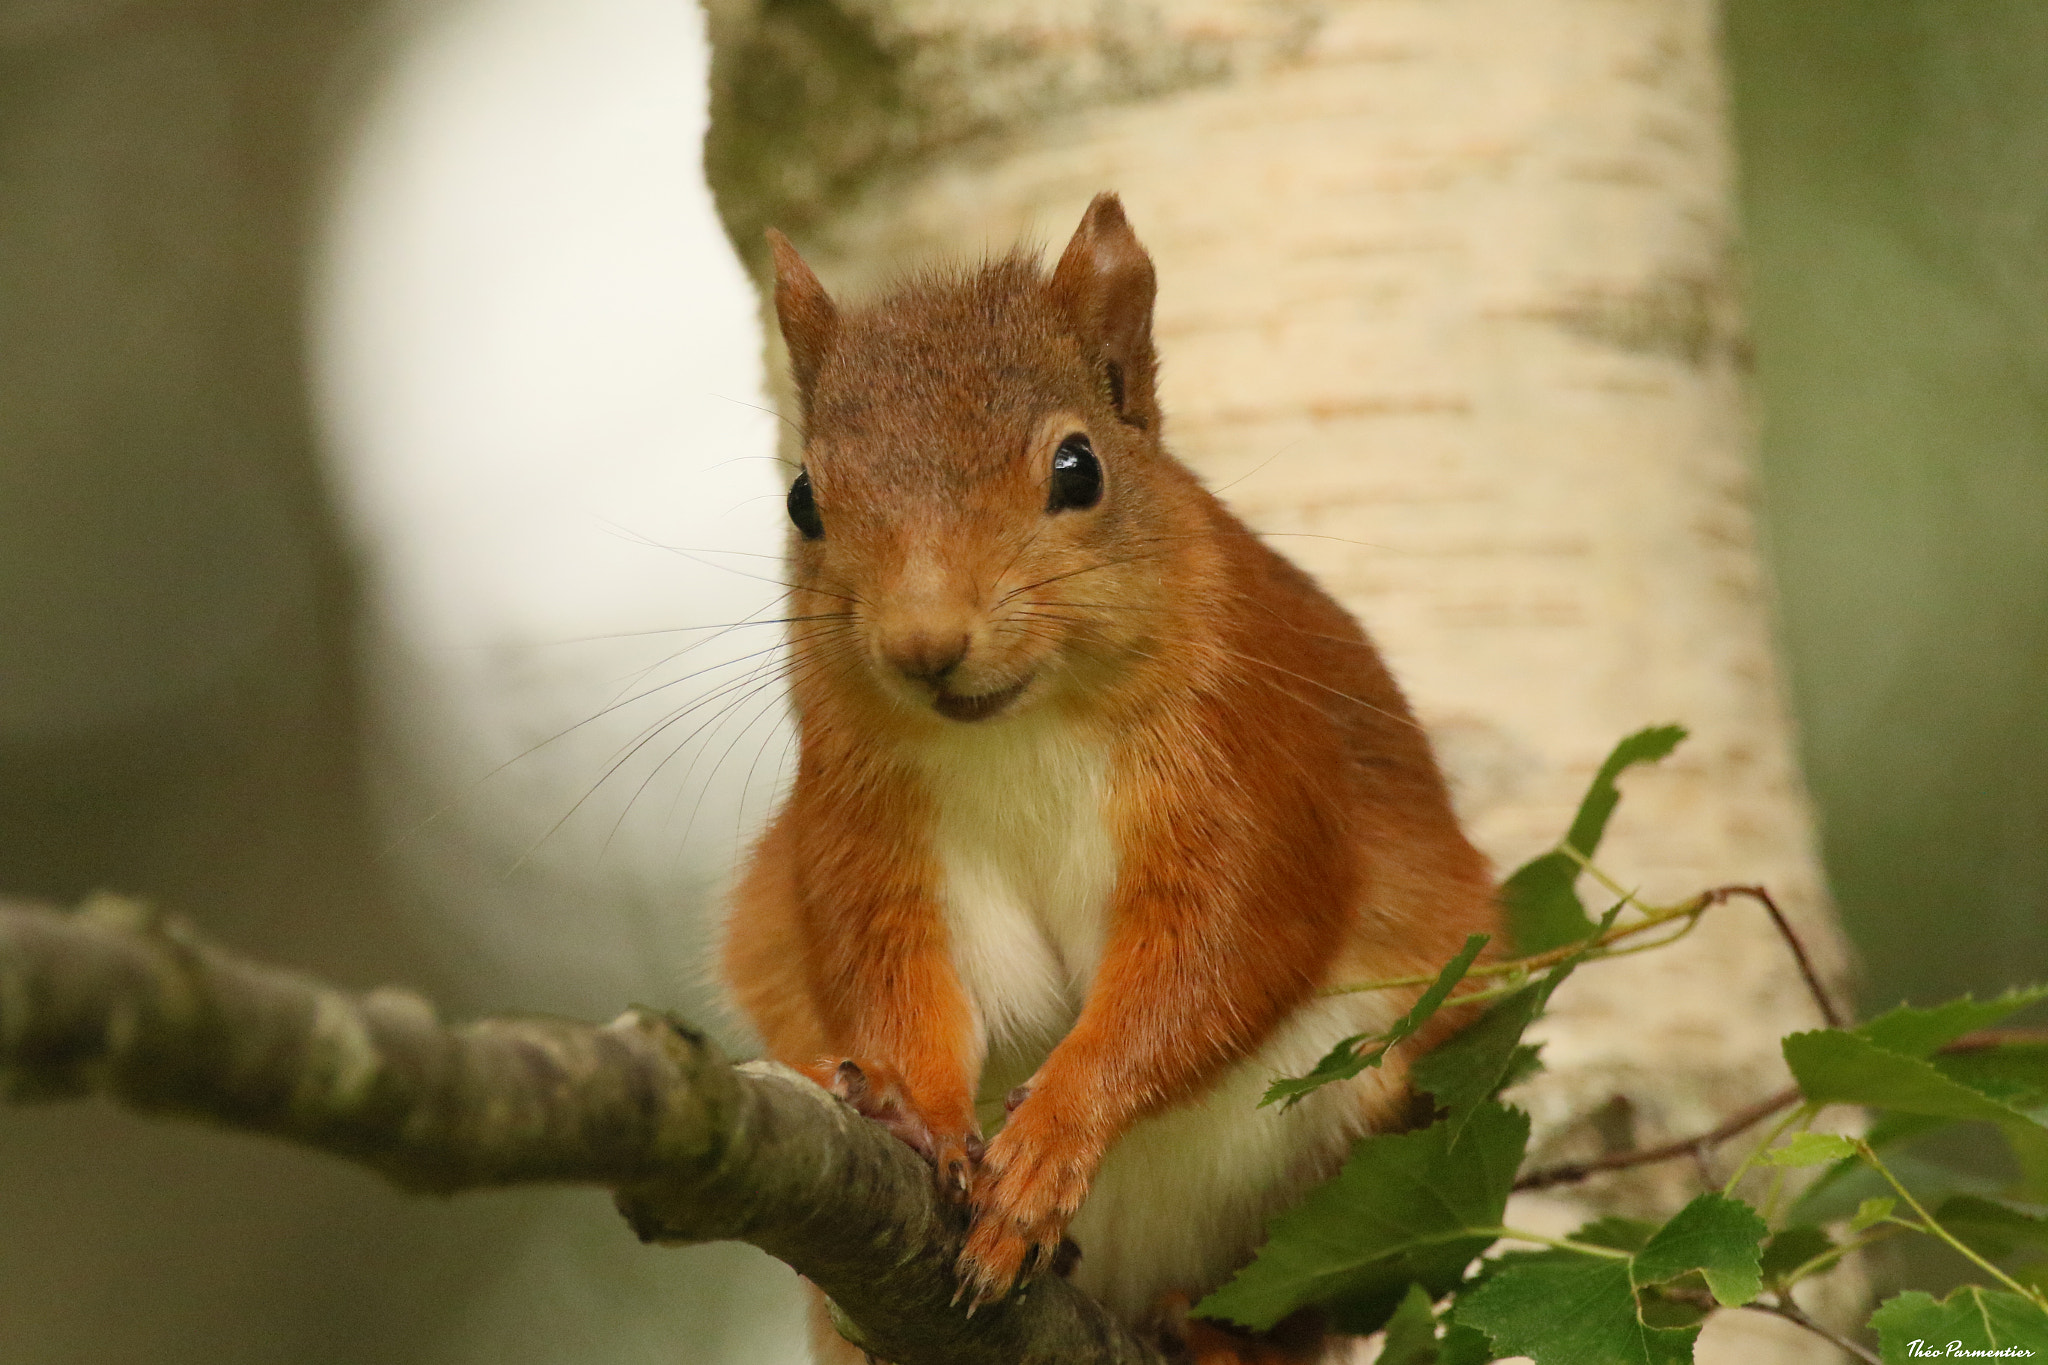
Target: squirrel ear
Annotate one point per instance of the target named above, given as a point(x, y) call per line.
point(804, 310)
point(1105, 284)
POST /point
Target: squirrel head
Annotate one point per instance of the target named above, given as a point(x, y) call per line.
point(984, 504)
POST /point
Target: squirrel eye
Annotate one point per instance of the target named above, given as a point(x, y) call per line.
point(1076, 476)
point(803, 508)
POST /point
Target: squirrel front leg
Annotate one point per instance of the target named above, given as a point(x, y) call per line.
point(901, 1045)
point(1212, 942)
point(907, 1061)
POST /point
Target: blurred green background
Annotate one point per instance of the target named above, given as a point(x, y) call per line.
point(1895, 199)
point(179, 709)
point(1895, 202)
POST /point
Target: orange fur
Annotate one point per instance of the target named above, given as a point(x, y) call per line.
point(1277, 820)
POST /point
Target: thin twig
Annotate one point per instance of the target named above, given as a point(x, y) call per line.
point(1699, 1143)
point(1689, 910)
point(1931, 1226)
point(1783, 1307)
point(1986, 1038)
point(1763, 898)
point(1535, 961)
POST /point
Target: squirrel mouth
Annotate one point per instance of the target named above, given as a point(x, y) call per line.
point(953, 706)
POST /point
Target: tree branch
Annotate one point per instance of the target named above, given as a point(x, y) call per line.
point(112, 1001)
point(1699, 1144)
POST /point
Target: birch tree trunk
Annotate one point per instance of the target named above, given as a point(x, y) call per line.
point(1448, 307)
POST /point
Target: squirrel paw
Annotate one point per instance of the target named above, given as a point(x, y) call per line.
point(1025, 1193)
point(877, 1092)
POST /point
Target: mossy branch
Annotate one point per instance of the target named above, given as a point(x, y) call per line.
point(112, 1001)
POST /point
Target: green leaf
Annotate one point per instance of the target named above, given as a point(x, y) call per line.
point(1343, 1061)
point(1564, 1308)
point(1542, 908)
point(1918, 1032)
point(1462, 1345)
point(1833, 1067)
point(1828, 1199)
point(1872, 1211)
point(1790, 1249)
point(1489, 1054)
point(1716, 1235)
point(1893, 1128)
point(1810, 1149)
point(1991, 1229)
point(1411, 1332)
point(1408, 1208)
point(1644, 746)
point(1915, 1326)
point(2014, 1072)
point(1347, 1059)
point(1475, 1064)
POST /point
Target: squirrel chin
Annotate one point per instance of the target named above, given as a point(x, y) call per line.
point(955, 707)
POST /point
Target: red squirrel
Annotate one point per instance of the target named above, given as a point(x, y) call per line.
point(1095, 791)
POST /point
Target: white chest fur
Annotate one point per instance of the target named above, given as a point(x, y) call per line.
point(1029, 866)
point(1029, 869)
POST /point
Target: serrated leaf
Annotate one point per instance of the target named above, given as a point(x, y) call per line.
point(1346, 1059)
point(1872, 1211)
point(1915, 1326)
point(1810, 1149)
point(1408, 1208)
point(1542, 909)
point(1563, 1308)
point(1718, 1236)
point(1472, 1067)
point(1462, 1345)
point(1918, 1032)
point(1991, 1229)
point(1411, 1332)
point(1833, 1067)
point(1790, 1249)
point(1489, 1054)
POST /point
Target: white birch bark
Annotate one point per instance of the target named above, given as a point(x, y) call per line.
point(1447, 307)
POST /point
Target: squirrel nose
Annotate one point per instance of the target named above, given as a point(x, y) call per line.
point(926, 656)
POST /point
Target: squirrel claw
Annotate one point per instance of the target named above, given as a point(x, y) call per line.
point(875, 1092)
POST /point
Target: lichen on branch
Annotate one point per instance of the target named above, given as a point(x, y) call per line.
point(114, 1001)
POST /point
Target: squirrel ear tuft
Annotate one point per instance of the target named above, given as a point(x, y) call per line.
point(1105, 284)
point(806, 312)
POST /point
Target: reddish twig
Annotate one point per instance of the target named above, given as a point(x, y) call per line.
point(1762, 897)
point(1696, 1145)
point(1986, 1038)
point(1783, 1307)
